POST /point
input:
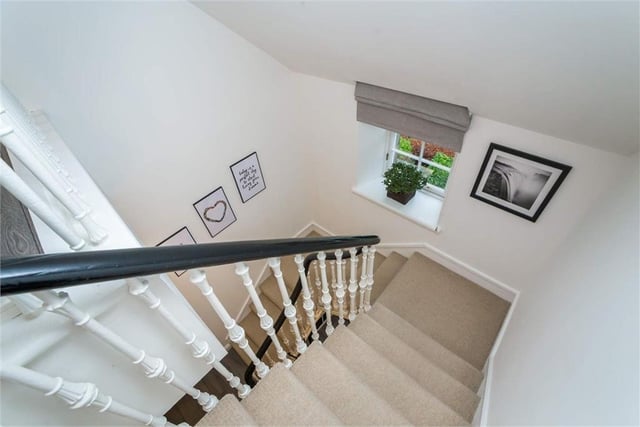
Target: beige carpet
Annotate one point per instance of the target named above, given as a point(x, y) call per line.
point(414, 358)
point(457, 313)
point(341, 390)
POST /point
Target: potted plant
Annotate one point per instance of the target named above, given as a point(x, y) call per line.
point(402, 180)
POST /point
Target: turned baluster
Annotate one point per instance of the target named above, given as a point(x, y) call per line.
point(79, 395)
point(266, 321)
point(367, 296)
point(236, 332)
point(8, 137)
point(307, 304)
point(353, 283)
point(340, 288)
point(289, 309)
point(317, 284)
point(16, 186)
point(200, 349)
point(326, 295)
point(363, 279)
point(153, 367)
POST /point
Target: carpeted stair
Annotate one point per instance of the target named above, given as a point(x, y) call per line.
point(415, 358)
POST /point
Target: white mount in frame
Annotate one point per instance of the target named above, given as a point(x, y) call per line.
point(248, 176)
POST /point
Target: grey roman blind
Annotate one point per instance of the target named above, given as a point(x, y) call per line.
point(424, 118)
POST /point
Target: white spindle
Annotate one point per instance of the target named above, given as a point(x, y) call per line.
point(367, 296)
point(96, 233)
point(16, 186)
point(29, 305)
point(289, 308)
point(326, 296)
point(153, 367)
point(78, 395)
point(200, 349)
point(236, 333)
point(307, 304)
point(31, 136)
point(317, 283)
point(266, 322)
point(363, 279)
point(340, 288)
point(284, 337)
point(353, 283)
point(268, 359)
point(334, 285)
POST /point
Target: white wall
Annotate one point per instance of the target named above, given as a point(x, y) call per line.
point(157, 99)
point(52, 344)
point(570, 355)
point(495, 242)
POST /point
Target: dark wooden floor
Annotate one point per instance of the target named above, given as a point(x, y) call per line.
point(187, 409)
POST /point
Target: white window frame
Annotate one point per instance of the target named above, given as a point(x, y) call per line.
point(392, 152)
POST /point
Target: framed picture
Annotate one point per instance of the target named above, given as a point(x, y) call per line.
point(179, 238)
point(248, 176)
point(215, 211)
point(518, 182)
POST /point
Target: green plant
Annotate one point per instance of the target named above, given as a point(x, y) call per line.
point(403, 178)
point(404, 144)
point(438, 176)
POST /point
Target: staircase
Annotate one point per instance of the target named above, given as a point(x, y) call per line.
point(414, 358)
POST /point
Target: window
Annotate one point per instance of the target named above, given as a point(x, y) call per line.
point(434, 160)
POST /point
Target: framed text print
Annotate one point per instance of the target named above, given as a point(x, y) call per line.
point(248, 176)
point(179, 238)
point(518, 182)
point(215, 211)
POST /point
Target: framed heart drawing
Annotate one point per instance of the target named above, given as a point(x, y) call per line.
point(215, 211)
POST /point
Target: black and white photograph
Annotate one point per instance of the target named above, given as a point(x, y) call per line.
point(215, 211)
point(518, 182)
point(247, 174)
point(179, 238)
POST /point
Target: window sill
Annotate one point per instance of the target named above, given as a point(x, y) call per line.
point(423, 209)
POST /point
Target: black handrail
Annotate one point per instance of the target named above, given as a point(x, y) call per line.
point(295, 294)
point(41, 272)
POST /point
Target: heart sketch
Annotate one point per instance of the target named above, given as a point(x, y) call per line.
point(214, 213)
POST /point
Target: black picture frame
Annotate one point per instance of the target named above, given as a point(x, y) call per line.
point(216, 198)
point(518, 182)
point(235, 173)
point(173, 236)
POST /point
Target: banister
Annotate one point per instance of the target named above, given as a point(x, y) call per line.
point(51, 271)
point(295, 294)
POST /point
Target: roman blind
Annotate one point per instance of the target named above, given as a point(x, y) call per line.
point(423, 118)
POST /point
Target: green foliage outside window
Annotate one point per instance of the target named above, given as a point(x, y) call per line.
point(404, 144)
point(438, 176)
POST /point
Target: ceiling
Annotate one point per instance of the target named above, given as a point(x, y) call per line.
point(564, 69)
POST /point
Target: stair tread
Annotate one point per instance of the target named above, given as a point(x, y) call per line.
point(341, 390)
point(252, 329)
point(273, 310)
point(450, 362)
point(228, 412)
point(269, 288)
point(401, 392)
point(454, 311)
point(281, 398)
point(241, 353)
point(385, 272)
point(438, 382)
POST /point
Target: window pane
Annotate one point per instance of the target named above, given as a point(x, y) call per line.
point(432, 152)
